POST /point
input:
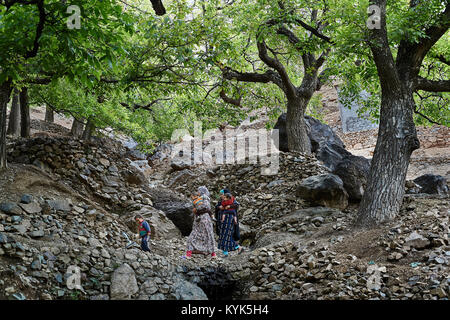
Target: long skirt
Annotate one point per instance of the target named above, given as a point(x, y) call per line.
point(201, 238)
point(226, 241)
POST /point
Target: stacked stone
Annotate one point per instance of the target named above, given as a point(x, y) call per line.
point(93, 169)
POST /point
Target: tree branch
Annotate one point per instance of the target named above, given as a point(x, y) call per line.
point(266, 77)
point(274, 63)
point(427, 118)
point(382, 55)
point(158, 6)
point(147, 107)
point(236, 102)
point(416, 52)
point(40, 27)
point(314, 31)
point(432, 85)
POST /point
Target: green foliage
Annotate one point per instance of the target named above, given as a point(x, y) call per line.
point(316, 108)
point(352, 59)
point(146, 75)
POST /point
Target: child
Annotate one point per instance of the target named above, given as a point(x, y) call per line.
point(226, 205)
point(144, 232)
point(201, 203)
point(229, 223)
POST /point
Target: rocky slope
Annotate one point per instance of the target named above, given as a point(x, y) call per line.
point(66, 204)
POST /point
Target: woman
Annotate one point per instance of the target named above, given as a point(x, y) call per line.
point(201, 239)
point(228, 224)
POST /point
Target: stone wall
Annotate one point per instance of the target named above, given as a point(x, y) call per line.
point(351, 121)
point(430, 137)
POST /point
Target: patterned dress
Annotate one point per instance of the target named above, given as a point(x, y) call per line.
point(226, 241)
point(201, 238)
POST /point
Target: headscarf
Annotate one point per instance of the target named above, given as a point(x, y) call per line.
point(203, 191)
point(223, 191)
point(204, 203)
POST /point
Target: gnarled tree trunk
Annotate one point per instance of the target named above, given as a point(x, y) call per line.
point(88, 130)
point(298, 139)
point(49, 114)
point(14, 116)
point(397, 136)
point(5, 93)
point(397, 139)
point(77, 128)
point(25, 113)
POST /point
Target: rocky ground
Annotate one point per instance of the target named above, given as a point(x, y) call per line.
point(65, 204)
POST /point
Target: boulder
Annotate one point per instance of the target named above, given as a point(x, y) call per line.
point(180, 164)
point(123, 283)
point(432, 184)
point(134, 176)
point(176, 207)
point(182, 177)
point(185, 290)
point(317, 132)
point(162, 152)
point(417, 241)
point(324, 190)
point(31, 208)
point(161, 226)
point(149, 287)
point(26, 198)
point(142, 166)
point(283, 138)
point(353, 171)
point(330, 154)
point(59, 205)
point(10, 208)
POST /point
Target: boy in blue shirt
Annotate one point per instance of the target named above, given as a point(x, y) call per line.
point(144, 232)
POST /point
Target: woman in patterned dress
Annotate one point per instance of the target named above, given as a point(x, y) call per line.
point(228, 211)
point(201, 239)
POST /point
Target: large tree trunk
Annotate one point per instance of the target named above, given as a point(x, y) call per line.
point(5, 93)
point(14, 116)
point(25, 113)
point(77, 128)
point(298, 139)
point(88, 130)
point(397, 139)
point(49, 114)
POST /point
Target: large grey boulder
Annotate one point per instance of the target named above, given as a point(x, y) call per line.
point(330, 154)
point(134, 176)
point(324, 190)
point(161, 153)
point(123, 283)
point(59, 205)
point(10, 208)
point(353, 171)
point(432, 184)
point(176, 207)
point(317, 132)
point(161, 226)
point(185, 290)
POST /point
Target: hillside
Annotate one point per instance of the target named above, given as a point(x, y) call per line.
point(65, 203)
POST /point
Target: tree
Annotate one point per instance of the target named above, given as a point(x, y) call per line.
point(14, 116)
point(291, 49)
point(77, 128)
point(391, 64)
point(49, 114)
point(5, 92)
point(36, 42)
point(25, 120)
